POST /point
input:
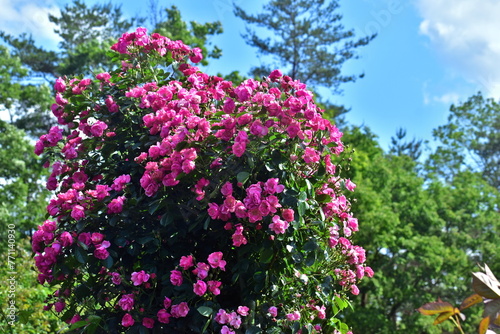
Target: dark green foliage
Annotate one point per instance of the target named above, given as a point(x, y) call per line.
point(423, 238)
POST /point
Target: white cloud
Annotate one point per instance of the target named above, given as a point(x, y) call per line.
point(32, 17)
point(465, 33)
point(448, 98)
point(431, 96)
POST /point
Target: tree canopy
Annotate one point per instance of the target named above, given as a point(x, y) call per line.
point(307, 40)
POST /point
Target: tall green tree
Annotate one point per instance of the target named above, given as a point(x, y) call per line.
point(307, 40)
point(400, 146)
point(22, 195)
point(469, 141)
point(23, 101)
point(192, 33)
point(423, 237)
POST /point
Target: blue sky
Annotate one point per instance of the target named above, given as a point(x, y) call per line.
point(428, 53)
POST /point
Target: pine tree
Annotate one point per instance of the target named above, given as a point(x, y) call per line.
point(308, 40)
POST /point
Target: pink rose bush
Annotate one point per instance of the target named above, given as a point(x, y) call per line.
point(186, 203)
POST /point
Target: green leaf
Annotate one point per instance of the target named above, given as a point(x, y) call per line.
point(302, 196)
point(81, 255)
point(144, 240)
point(120, 242)
point(297, 257)
point(242, 177)
point(266, 254)
point(207, 223)
point(257, 330)
point(301, 208)
point(78, 324)
point(108, 262)
point(310, 259)
point(311, 245)
point(166, 220)
point(205, 311)
point(154, 206)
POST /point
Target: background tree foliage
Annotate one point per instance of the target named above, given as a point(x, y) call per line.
point(22, 196)
point(469, 141)
point(309, 41)
point(424, 235)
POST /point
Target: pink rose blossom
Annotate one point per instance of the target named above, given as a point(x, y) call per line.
point(311, 155)
point(272, 186)
point(167, 302)
point(186, 262)
point(66, 239)
point(278, 226)
point(350, 185)
point(85, 238)
point(116, 278)
point(127, 302)
point(213, 210)
point(78, 212)
point(74, 319)
point(369, 271)
point(97, 129)
point(60, 85)
point(127, 320)
point(120, 182)
point(227, 189)
point(239, 149)
point(139, 277)
point(199, 288)
point(275, 75)
point(288, 215)
point(214, 287)
point(180, 311)
point(243, 310)
point(104, 76)
point(163, 316)
point(100, 252)
point(201, 270)
point(215, 260)
point(226, 330)
point(222, 317)
point(59, 306)
point(294, 316)
point(321, 311)
point(116, 205)
point(273, 311)
point(97, 238)
point(176, 277)
point(148, 322)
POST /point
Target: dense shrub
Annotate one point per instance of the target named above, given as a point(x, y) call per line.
point(186, 204)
